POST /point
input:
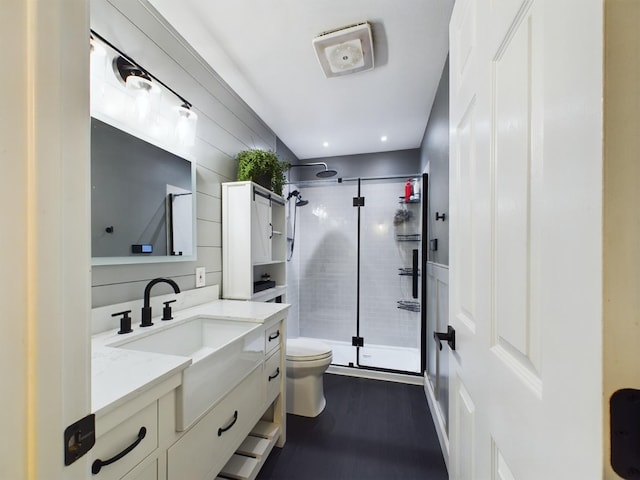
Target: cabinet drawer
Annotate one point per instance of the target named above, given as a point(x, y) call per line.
point(122, 436)
point(204, 450)
point(150, 472)
point(272, 337)
point(273, 373)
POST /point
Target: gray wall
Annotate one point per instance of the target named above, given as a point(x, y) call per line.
point(434, 157)
point(284, 153)
point(398, 162)
point(226, 125)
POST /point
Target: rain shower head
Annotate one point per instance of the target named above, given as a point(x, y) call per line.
point(326, 173)
point(301, 203)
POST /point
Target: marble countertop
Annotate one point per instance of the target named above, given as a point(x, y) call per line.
point(118, 375)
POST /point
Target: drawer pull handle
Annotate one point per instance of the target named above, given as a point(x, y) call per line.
point(233, 422)
point(275, 375)
point(275, 335)
point(98, 464)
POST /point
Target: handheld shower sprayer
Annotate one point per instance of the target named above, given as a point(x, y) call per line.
point(299, 201)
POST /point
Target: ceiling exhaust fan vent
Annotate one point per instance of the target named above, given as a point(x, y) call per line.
point(345, 51)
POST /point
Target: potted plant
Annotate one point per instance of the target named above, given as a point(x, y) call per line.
point(262, 167)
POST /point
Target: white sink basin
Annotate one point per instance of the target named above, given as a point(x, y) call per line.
point(222, 352)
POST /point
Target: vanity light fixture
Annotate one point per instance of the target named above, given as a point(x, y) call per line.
point(147, 94)
point(186, 125)
point(345, 50)
point(147, 91)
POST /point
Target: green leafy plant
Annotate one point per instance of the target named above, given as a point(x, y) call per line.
point(262, 167)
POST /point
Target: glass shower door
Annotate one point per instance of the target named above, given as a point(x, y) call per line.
point(327, 245)
point(390, 243)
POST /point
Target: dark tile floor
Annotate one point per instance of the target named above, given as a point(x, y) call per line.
point(369, 430)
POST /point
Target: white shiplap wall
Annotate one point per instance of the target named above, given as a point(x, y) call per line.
point(226, 125)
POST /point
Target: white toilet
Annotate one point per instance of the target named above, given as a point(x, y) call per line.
point(307, 360)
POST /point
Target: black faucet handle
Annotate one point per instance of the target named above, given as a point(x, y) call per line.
point(125, 322)
point(166, 311)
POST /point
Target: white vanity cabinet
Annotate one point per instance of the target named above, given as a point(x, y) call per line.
point(139, 385)
point(253, 242)
point(128, 442)
point(235, 437)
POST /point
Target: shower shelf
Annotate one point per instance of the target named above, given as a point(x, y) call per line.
point(402, 200)
point(407, 272)
point(409, 305)
point(412, 237)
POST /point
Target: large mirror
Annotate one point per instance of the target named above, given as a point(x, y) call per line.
point(142, 200)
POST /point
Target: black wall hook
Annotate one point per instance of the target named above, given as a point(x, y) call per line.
point(441, 216)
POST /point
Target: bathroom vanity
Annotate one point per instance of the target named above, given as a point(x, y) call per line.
point(191, 398)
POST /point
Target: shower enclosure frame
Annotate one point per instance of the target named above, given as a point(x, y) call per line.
point(358, 340)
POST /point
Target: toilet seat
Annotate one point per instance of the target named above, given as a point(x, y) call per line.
point(306, 350)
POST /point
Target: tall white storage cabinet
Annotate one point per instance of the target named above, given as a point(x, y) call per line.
point(253, 242)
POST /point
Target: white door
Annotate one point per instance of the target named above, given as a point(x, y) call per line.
point(526, 221)
point(44, 236)
point(261, 229)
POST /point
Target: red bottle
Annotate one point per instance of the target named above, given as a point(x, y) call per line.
point(407, 191)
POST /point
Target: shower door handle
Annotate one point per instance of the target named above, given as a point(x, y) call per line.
point(450, 337)
point(414, 274)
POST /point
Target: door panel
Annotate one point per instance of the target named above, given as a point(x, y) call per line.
point(391, 334)
point(525, 229)
point(517, 196)
point(327, 243)
point(261, 229)
point(463, 451)
point(464, 149)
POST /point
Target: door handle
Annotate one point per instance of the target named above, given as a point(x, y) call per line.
point(450, 337)
point(414, 274)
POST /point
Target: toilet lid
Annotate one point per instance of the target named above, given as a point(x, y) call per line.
point(307, 349)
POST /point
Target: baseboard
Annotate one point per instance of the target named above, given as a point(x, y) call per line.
point(438, 420)
point(375, 375)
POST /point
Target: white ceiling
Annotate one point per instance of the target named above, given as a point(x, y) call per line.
point(263, 50)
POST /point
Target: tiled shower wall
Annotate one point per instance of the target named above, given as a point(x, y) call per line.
point(327, 240)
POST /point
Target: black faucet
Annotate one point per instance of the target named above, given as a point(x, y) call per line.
point(146, 308)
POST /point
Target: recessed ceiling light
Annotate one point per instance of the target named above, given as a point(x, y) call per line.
point(325, 144)
point(383, 138)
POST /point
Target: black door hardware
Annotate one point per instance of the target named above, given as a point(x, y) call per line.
point(79, 438)
point(441, 216)
point(357, 341)
point(98, 464)
point(414, 274)
point(221, 430)
point(625, 432)
point(450, 337)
